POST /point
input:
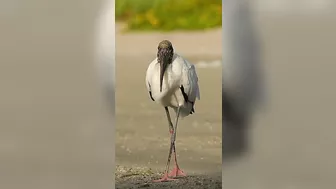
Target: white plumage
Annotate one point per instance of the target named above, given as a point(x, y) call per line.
point(179, 73)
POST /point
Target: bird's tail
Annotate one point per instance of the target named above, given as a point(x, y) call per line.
point(185, 111)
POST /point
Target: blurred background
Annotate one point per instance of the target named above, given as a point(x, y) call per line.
point(289, 143)
point(142, 137)
point(169, 15)
point(54, 130)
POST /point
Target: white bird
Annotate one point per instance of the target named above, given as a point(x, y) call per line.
point(172, 82)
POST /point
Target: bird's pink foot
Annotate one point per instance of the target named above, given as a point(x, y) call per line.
point(165, 178)
point(176, 172)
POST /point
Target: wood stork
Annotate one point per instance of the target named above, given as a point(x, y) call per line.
point(172, 82)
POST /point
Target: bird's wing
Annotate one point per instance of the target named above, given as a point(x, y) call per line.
point(149, 74)
point(190, 81)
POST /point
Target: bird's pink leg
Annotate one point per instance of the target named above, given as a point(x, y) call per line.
point(171, 127)
point(165, 177)
point(176, 172)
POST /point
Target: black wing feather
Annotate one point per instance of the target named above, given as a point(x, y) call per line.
point(185, 96)
point(150, 92)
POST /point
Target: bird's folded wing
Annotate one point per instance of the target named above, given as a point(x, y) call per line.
point(149, 73)
point(149, 81)
point(190, 81)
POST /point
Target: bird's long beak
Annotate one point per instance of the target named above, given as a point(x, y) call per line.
point(163, 67)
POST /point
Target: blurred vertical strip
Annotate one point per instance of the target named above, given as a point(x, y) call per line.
point(105, 51)
point(241, 76)
point(105, 61)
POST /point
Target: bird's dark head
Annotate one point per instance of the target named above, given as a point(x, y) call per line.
point(165, 57)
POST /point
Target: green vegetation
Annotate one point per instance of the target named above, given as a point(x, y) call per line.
point(167, 15)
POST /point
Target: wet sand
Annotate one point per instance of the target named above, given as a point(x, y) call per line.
point(142, 177)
